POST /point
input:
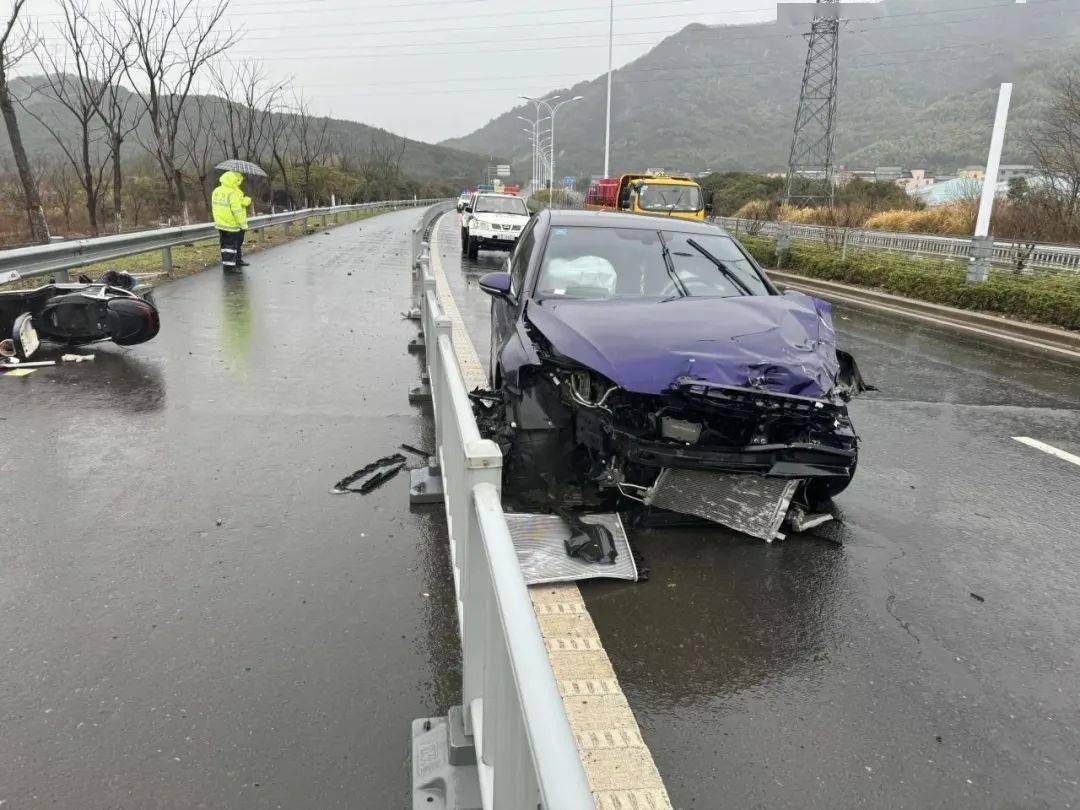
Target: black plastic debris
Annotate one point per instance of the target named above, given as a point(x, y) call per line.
point(976, 597)
point(589, 541)
point(376, 474)
point(416, 451)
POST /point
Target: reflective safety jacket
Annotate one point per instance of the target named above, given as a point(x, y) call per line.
point(230, 204)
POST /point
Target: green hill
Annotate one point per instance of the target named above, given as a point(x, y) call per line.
point(918, 87)
point(420, 161)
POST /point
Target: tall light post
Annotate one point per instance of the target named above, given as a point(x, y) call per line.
point(533, 124)
point(554, 110)
point(546, 104)
point(610, 57)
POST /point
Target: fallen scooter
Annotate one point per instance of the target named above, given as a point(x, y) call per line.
point(77, 313)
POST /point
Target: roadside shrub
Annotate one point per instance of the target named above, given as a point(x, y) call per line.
point(1050, 298)
point(756, 210)
point(955, 219)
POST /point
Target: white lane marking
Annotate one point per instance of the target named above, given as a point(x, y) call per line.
point(1048, 448)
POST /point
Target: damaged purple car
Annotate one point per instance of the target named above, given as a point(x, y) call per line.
point(652, 359)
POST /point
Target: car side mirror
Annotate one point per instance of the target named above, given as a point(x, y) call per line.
point(497, 285)
point(468, 209)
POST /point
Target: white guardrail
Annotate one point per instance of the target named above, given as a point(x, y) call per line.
point(526, 754)
point(58, 258)
point(1053, 258)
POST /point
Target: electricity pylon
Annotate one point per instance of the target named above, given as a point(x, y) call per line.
point(812, 143)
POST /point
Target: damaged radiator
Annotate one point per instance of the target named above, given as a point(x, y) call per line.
point(751, 504)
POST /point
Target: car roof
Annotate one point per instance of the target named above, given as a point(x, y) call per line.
point(496, 194)
point(644, 222)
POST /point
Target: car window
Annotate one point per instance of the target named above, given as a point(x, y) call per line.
point(519, 264)
point(500, 205)
point(700, 274)
point(666, 197)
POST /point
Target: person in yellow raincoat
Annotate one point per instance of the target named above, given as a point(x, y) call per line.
point(230, 206)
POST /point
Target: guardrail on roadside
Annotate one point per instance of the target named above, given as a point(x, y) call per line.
point(1053, 258)
point(513, 715)
point(58, 258)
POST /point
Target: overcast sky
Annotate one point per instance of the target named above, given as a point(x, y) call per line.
point(434, 69)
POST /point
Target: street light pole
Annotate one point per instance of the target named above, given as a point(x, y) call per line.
point(982, 244)
point(554, 110)
point(610, 53)
point(541, 102)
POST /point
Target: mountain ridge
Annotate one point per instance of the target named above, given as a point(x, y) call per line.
point(918, 87)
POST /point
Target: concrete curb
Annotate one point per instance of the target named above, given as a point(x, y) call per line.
point(1019, 334)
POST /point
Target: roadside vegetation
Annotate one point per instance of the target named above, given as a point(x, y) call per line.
point(1047, 298)
point(1044, 209)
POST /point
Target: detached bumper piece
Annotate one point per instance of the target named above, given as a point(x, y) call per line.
point(750, 504)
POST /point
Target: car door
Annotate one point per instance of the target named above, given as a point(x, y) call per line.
point(504, 314)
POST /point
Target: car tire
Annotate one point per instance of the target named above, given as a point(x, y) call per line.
point(474, 248)
point(822, 490)
point(531, 464)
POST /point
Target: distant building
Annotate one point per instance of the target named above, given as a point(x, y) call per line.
point(845, 176)
point(950, 191)
point(914, 181)
point(1010, 170)
point(973, 173)
point(888, 173)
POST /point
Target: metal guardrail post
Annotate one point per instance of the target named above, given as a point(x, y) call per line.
point(166, 261)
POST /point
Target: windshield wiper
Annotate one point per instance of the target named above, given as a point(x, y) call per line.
point(674, 205)
point(670, 266)
point(723, 268)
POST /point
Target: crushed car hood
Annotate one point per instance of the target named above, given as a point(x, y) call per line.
point(779, 343)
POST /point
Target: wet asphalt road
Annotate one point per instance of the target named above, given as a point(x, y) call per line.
point(854, 666)
point(152, 658)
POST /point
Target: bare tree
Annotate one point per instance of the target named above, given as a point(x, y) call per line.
point(76, 89)
point(277, 125)
point(171, 43)
point(117, 109)
point(62, 186)
point(312, 141)
point(16, 41)
point(247, 95)
point(199, 144)
point(1055, 142)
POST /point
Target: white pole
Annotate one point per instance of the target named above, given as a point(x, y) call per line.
point(610, 52)
point(993, 163)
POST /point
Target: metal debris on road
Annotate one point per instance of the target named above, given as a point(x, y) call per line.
point(380, 471)
point(539, 545)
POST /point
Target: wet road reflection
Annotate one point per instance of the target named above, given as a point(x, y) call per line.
point(190, 618)
point(852, 667)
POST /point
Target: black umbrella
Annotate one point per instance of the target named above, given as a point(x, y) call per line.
point(242, 166)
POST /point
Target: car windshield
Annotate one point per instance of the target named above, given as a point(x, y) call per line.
point(666, 197)
point(607, 263)
point(500, 205)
